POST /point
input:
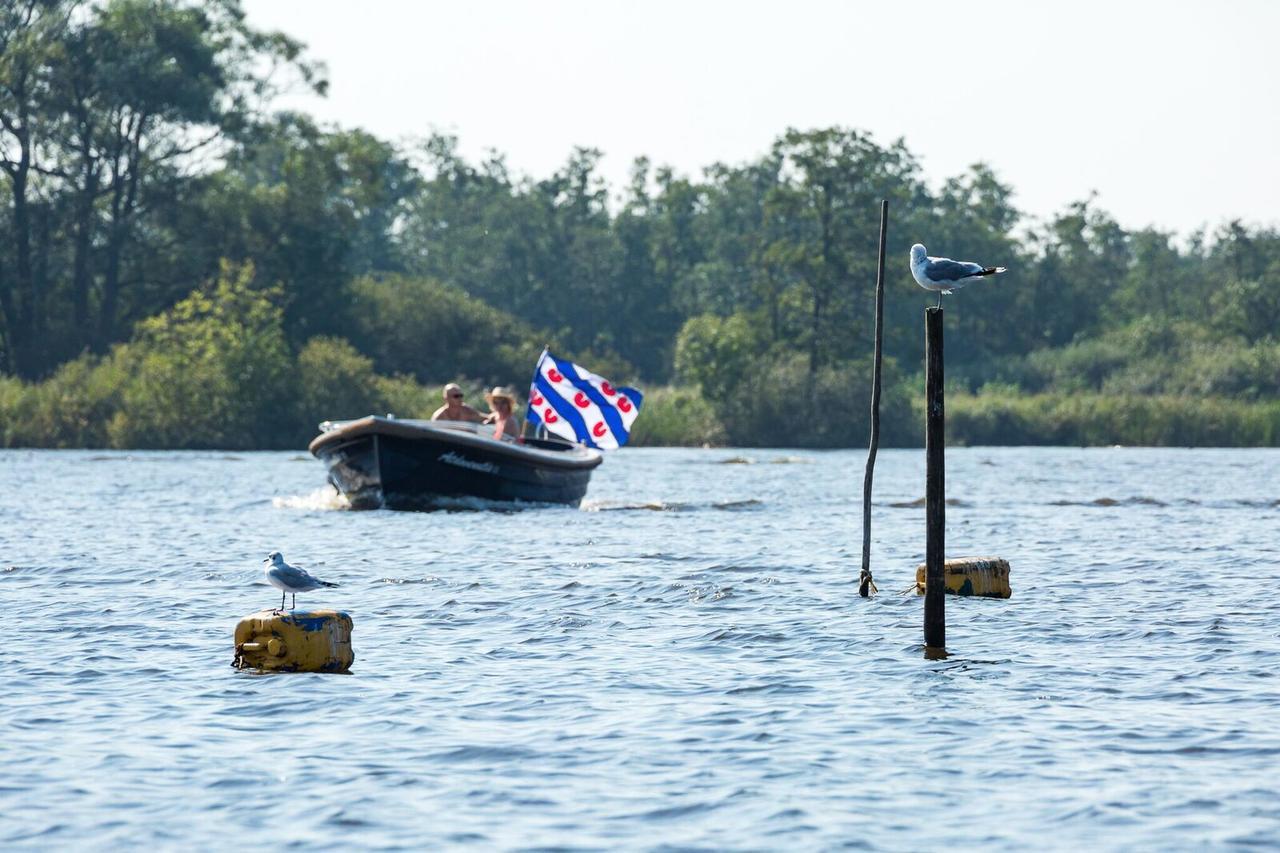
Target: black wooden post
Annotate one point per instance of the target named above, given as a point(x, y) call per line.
point(865, 583)
point(935, 620)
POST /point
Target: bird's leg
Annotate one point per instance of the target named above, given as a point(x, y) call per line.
point(282, 601)
point(295, 601)
point(939, 298)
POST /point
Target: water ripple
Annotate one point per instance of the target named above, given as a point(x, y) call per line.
point(683, 665)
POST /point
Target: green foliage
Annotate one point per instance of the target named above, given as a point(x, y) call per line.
point(215, 371)
point(336, 382)
point(138, 151)
point(773, 397)
point(210, 372)
point(1093, 419)
point(1150, 356)
point(781, 403)
point(405, 398)
point(434, 332)
point(107, 113)
point(676, 417)
point(1249, 307)
point(1078, 367)
point(72, 408)
point(312, 209)
point(717, 354)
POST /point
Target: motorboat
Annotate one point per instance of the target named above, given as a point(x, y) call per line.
point(395, 463)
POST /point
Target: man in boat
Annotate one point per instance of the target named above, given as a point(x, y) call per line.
point(502, 401)
point(454, 409)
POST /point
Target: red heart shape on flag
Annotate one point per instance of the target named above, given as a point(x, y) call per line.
point(536, 399)
point(599, 430)
point(624, 405)
point(549, 416)
point(607, 389)
point(555, 375)
point(580, 400)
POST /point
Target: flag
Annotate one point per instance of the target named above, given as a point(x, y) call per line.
point(578, 405)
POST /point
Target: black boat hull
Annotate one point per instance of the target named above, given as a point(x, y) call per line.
point(378, 463)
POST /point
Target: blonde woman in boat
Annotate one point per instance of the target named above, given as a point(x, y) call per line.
point(502, 401)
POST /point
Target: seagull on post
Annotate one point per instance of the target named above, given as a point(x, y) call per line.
point(943, 274)
point(290, 579)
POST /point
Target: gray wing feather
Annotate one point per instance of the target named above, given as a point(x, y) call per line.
point(945, 269)
point(295, 577)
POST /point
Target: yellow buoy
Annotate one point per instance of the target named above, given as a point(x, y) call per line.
point(294, 641)
point(987, 577)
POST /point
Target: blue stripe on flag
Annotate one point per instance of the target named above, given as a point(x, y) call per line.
point(564, 408)
point(607, 408)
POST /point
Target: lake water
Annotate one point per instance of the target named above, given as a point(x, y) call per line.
point(682, 663)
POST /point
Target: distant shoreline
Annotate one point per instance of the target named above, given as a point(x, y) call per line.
point(679, 417)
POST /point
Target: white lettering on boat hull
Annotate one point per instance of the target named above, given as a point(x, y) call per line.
point(452, 458)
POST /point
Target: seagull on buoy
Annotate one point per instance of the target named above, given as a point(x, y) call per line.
point(290, 579)
point(945, 275)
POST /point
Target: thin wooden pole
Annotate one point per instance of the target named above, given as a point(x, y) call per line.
point(865, 584)
point(935, 620)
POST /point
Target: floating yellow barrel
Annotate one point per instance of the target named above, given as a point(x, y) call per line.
point(294, 641)
point(987, 577)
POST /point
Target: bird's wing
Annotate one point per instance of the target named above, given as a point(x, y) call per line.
point(293, 575)
point(945, 269)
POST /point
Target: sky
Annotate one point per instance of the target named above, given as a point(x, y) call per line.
point(1168, 111)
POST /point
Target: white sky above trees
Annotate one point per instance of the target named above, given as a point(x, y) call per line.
point(1170, 111)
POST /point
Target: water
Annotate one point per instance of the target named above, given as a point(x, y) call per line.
point(682, 663)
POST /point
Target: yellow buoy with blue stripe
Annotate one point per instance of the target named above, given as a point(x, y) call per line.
point(294, 641)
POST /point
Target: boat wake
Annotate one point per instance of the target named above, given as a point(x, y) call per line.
point(468, 503)
point(322, 500)
point(668, 506)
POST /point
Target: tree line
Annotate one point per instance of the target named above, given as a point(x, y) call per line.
point(144, 170)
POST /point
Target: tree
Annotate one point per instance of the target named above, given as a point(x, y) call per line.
point(826, 212)
point(107, 112)
point(973, 217)
point(312, 209)
point(29, 35)
point(210, 371)
point(642, 296)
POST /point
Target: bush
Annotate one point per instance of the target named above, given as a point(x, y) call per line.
point(69, 409)
point(676, 417)
point(1098, 419)
point(783, 405)
point(434, 332)
point(335, 382)
point(717, 354)
point(405, 398)
point(213, 371)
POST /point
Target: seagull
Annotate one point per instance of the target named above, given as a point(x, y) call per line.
point(943, 274)
point(287, 578)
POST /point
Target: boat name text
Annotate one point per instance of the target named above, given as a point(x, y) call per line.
point(452, 458)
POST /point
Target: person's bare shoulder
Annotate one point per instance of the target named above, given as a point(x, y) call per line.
point(438, 413)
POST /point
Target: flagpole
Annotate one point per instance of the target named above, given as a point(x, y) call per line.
point(528, 409)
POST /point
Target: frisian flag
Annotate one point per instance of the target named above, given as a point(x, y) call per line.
point(578, 405)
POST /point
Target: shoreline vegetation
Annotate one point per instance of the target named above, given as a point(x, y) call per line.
point(216, 372)
point(183, 265)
